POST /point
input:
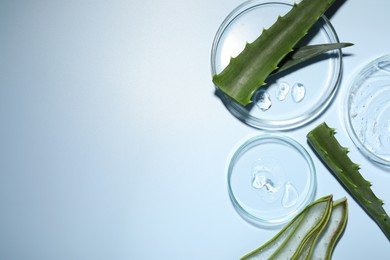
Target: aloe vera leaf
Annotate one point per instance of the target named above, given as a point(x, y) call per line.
point(309, 229)
point(294, 232)
point(325, 244)
point(307, 246)
point(335, 157)
point(248, 71)
point(321, 244)
point(269, 248)
point(306, 53)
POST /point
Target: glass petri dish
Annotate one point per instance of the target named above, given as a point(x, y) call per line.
point(368, 110)
point(292, 99)
point(271, 178)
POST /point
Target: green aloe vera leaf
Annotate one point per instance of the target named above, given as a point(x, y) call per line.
point(307, 246)
point(321, 243)
point(309, 230)
point(305, 53)
point(268, 249)
point(325, 244)
point(248, 71)
point(335, 157)
point(295, 233)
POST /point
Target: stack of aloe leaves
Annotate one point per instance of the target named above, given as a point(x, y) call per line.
point(314, 232)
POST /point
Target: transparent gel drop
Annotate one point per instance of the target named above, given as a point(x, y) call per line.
point(263, 100)
point(267, 180)
point(298, 92)
point(290, 196)
point(258, 181)
point(282, 90)
point(262, 182)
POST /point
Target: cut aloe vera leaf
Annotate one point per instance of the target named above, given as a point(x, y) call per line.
point(325, 244)
point(313, 222)
point(307, 246)
point(321, 244)
point(268, 249)
point(292, 237)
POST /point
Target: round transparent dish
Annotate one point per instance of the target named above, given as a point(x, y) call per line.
point(368, 110)
point(292, 99)
point(271, 177)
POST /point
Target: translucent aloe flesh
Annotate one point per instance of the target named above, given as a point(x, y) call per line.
point(335, 157)
point(249, 70)
point(299, 238)
point(327, 240)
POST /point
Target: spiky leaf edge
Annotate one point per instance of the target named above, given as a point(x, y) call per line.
point(335, 157)
point(248, 71)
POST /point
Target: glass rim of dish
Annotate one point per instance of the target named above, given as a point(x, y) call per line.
point(254, 141)
point(302, 119)
point(356, 84)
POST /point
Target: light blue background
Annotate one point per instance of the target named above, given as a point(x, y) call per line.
point(114, 146)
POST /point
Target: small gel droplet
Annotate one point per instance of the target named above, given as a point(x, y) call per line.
point(290, 196)
point(298, 92)
point(263, 100)
point(258, 181)
point(282, 90)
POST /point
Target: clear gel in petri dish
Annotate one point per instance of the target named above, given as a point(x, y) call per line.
point(315, 82)
point(271, 177)
point(368, 110)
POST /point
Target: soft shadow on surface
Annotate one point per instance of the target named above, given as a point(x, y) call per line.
point(334, 8)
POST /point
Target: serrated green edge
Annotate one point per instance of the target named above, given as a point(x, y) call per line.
point(335, 157)
point(248, 71)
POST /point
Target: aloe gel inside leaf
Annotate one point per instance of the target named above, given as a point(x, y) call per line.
point(292, 238)
point(324, 246)
point(312, 222)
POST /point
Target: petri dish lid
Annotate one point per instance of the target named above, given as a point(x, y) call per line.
point(368, 110)
point(271, 178)
point(292, 99)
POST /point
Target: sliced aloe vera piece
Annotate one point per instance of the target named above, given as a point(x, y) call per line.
point(326, 242)
point(268, 249)
point(307, 246)
point(314, 221)
point(321, 244)
point(292, 238)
